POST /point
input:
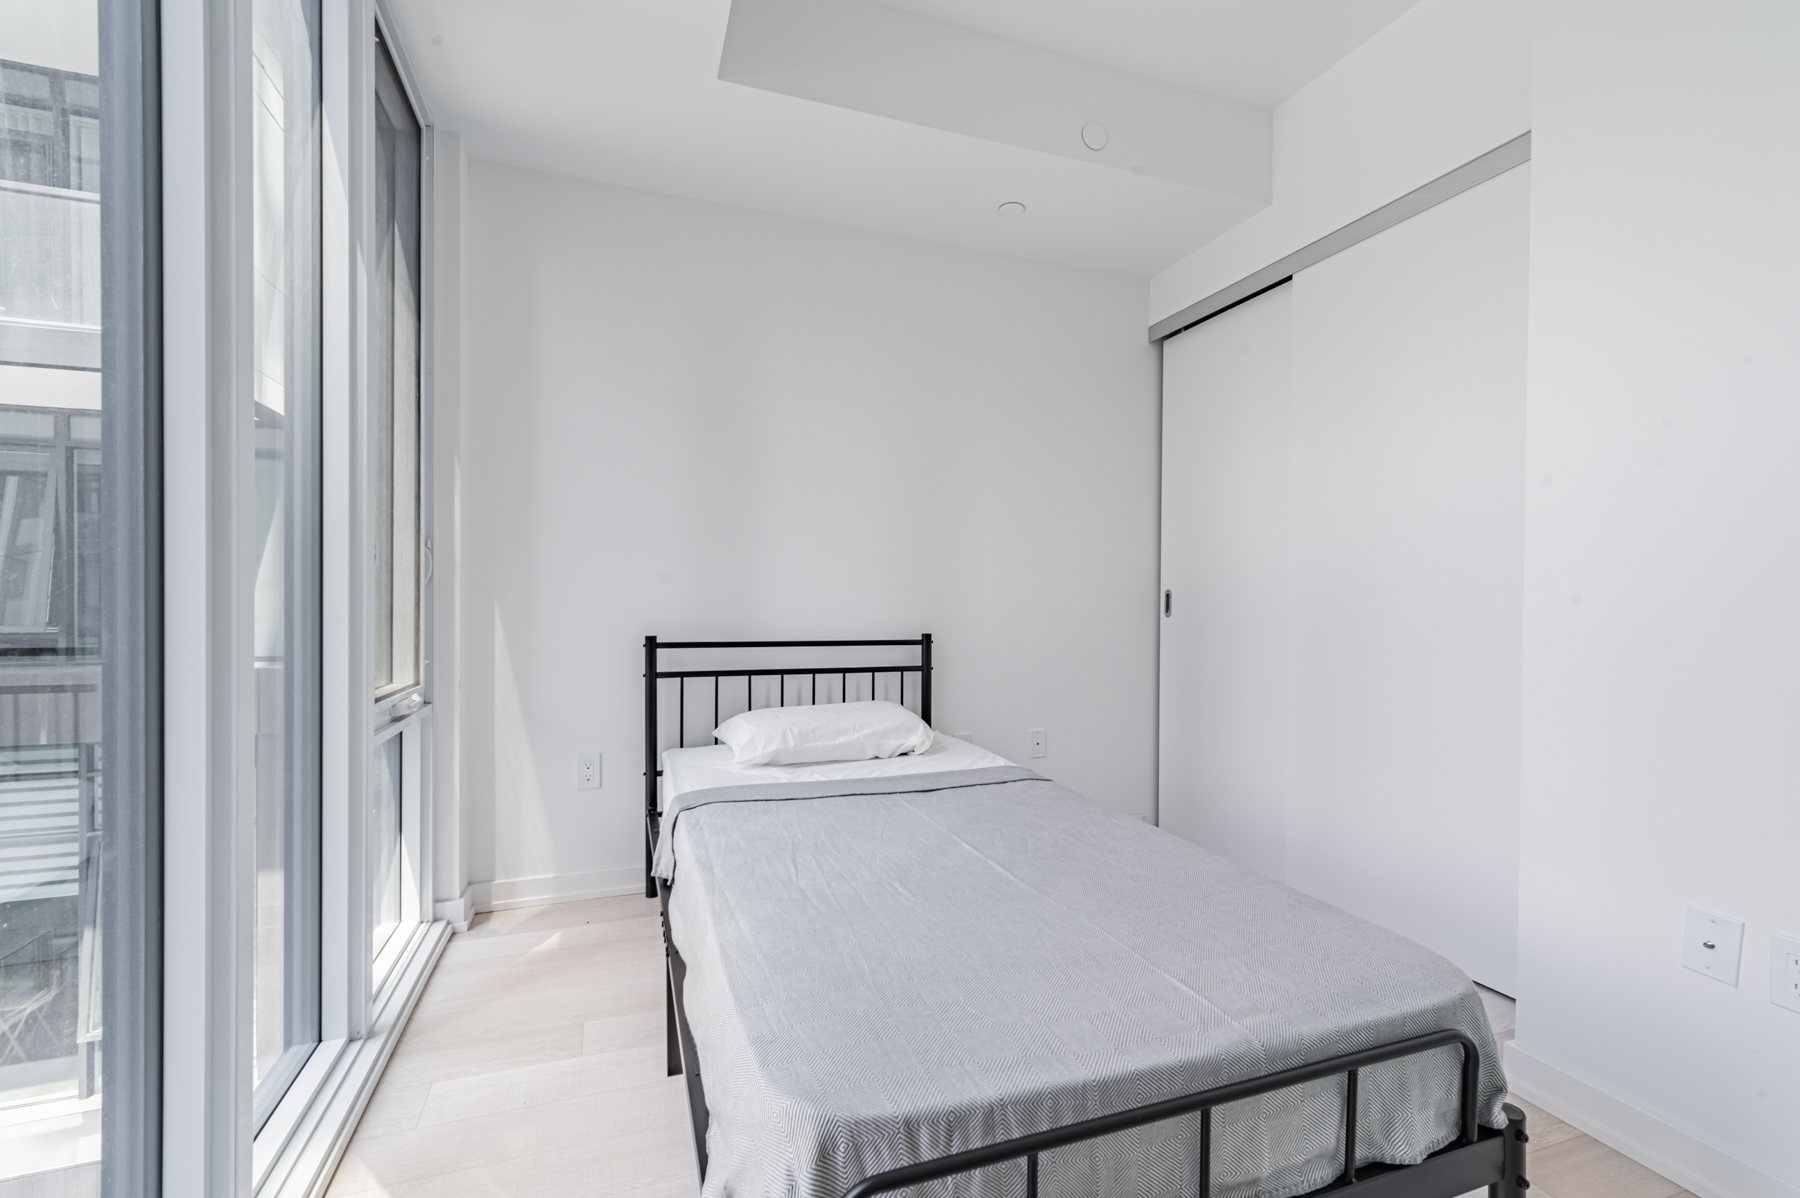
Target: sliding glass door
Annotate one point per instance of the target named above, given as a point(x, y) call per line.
point(282, 580)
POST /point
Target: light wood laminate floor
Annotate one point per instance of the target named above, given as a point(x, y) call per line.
point(534, 1067)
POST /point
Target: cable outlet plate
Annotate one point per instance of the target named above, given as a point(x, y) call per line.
point(1713, 945)
point(1784, 971)
point(1038, 746)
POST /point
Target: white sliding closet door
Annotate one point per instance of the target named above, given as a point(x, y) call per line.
point(1226, 708)
point(1343, 533)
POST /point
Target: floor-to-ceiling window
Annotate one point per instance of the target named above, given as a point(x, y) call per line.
point(336, 579)
point(227, 917)
point(50, 666)
point(60, 849)
point(283, 567)
point(296, 587)
point(394, 427)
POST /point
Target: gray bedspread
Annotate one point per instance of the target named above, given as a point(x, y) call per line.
point(889, 970)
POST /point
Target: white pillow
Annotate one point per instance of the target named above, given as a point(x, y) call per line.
point(824, 732)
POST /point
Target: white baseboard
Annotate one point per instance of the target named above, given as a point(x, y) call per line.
point(1687, 1159)
point(457, 911)
point(508, 893)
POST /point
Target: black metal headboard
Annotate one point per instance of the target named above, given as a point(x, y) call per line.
point(654, 675)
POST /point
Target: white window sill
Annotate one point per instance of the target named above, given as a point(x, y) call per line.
point(306, 1135)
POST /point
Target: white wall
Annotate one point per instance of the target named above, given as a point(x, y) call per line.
point(1445, 83)
point(698, 421)
point(1662, 640)
point(443, 525)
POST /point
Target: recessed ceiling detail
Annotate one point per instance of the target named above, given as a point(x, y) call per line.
point(1093, 136)
point(873, 58)
point(648, 94)
point(1254, 51)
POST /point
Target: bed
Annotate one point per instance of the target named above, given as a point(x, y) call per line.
point(947, 973)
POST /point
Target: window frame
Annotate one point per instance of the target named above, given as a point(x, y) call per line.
point(209, 1146)
point(302, 944)
point(394, 696)
point(407, 710)
point(361, 993)
point(131, 903)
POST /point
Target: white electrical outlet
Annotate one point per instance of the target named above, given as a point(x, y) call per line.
point(1713, 945)
point(1037, 743)
point(587, 771)
point(968, 736)
point(1784, 971)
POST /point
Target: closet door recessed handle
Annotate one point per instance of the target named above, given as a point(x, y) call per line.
point(1168, 603)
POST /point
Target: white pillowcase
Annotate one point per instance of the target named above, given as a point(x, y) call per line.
point(824, 732)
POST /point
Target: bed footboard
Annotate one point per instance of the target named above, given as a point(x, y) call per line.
point(1480, 1157)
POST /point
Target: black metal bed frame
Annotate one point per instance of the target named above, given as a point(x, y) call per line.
point(1480, 1156)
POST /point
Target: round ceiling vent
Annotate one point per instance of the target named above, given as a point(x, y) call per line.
point(1093, 135)
point(1012, 208)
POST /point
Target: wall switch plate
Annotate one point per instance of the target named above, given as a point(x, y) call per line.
point(1713, 945)
point(968, 736)
point(1037, 743)
point(587, 771)
point(1784, 971)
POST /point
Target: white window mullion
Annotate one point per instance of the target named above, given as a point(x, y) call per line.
point(348, 156)
point(208, 866)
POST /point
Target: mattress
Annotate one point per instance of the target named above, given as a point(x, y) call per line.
point(885, 970)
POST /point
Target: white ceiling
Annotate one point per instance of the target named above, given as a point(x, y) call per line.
point(1254, 51)
point(627, 92)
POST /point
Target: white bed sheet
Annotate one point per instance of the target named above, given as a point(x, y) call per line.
point(711, 765)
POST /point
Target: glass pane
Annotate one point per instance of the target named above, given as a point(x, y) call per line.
point(384, 842)
point(394, 409)
point(283, 579)
point(50, 171)
point(27, 512)
point(50, 679)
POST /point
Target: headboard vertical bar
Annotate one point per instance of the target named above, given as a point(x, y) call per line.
point(681, 736)
point(649, 763)
point(715, 707)
point(925, 677)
